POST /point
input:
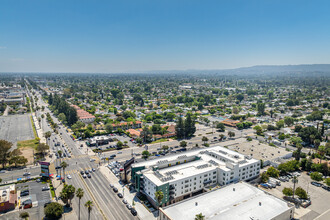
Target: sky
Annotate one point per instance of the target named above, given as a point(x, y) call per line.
point(143, 35)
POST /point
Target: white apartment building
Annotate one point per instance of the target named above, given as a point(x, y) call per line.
point(183, 175)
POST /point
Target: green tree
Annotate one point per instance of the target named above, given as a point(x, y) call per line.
point(258, 129)
point(79, 194)
point(264, 177)
point(179, 128)
point(67, 194)
point(24, 215)
point(183, 144)
point(261, 108)
point(288, 121)
point(146, 134)
point(4, 152)
point(189, 126)
point(301, 193)
point(231, 134)
point(109, 128)
point(316, 176)
point(62, 117)
point(120, 145)
point(287, 191)
point(145, 154)
point(221, 127)
point(53, 210)
point(327, 181)
point(48, 134)
point(199, 216)
point(89, 205)
point(280, 124)
point(205, 139)
point(159, 195)
point(273, 172)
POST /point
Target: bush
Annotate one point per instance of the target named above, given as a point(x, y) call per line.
point(264, 177)
point(287, 191)
point(54, 210)
point(24, 215)
point(273, 172)
point(301, 193)
point(316, 176)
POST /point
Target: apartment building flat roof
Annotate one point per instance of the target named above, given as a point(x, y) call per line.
point(235, 201)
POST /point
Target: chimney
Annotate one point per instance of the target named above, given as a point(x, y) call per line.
point(196, 203)
point(233, 189)
point(259, 203)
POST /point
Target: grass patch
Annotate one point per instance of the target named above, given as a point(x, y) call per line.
point(159, 141)
point(28, 143)
point(34, 128)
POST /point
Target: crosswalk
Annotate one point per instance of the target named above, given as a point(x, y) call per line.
point(74, 157)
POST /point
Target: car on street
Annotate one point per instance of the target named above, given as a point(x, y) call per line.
point(93, 169)
point(92, 160)
point(119, 152)
point(115, 189)
point(89, 176)
point(27, 174)
point(86, 172)
point(82, 172)
point(111, 185)
point(134, 212)
point(129, 206)
point(45, 188)
point(120, 195)
point(84, 176)
point(69, 176)
point(124, 201)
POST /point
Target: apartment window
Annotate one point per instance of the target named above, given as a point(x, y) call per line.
point(214, 177)
point(195, 178)
point(205, 175)
point(186, 181)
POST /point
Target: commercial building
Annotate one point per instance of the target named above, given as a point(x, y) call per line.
point(235, 202)
point(8, 198)
point(184, 175)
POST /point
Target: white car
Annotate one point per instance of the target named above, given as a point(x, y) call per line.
point(119, 152)
point(69, 176)
point(92, 160)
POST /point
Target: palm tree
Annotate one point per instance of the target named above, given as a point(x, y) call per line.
point(89, 205)
point(64, 165)
point(200, 216)
point(294, 180)
point(159, 195)
point(79, 194)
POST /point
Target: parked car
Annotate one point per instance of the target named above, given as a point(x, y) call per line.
point(120, 195)
point(134, 212)
point(111, 185)
point(129, 206)
point(69, 176)
point(316, 184)
point(93, 170)
point(124, 201)
point(115, 189)
point(89, 176)
point(84, 176)
point(264, 185)
point(45, 188)
point(82, 172)
point(27, 174)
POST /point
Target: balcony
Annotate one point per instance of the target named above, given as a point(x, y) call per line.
point(172, 187)
point(172, 192)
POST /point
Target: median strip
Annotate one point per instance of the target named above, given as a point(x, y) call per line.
point(93, 197)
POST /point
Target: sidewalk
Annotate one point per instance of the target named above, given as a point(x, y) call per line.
point(143, 213)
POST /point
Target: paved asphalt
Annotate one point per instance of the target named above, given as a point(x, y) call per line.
point(15, 128)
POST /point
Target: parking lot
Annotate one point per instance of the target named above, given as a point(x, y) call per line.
point(319, 209)
point(36, 195)
point(16, 128)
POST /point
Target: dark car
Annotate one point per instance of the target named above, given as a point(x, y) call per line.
point(134, 212)
point(93, 170)
point(82, 172)
point(86, 172)
point(89, 176)
point(316, 184)
point(115, 189)
point(120, 195)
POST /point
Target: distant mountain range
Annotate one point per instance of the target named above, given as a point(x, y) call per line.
point(262, 69)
